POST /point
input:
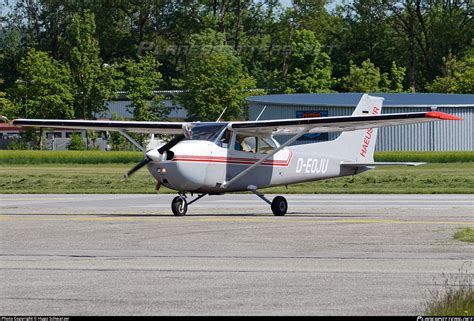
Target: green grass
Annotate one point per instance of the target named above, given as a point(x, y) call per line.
point(429, 157)
point(73, 178)
point(450, 178)
point(455, 297)
point(465, 235)
point(106, 178)
point(18, 157)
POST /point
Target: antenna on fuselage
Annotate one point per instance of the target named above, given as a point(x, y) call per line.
point(221, 114)
point(263, 109)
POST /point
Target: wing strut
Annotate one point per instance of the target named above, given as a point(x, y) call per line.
point(247, 170)
point(131, 140)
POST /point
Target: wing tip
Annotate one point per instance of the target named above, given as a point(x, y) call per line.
point(442, 116)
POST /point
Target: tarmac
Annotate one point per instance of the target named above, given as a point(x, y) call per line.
point(330, 255)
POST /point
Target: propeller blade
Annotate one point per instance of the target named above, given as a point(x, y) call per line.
point(147, 159)
point(170, 144)
point(137, 167)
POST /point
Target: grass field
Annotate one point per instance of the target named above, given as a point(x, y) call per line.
point(106, 178)
point(465, 235)
point(455, 296)
point(32, 157)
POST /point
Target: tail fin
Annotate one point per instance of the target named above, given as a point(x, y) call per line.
point(359, 145)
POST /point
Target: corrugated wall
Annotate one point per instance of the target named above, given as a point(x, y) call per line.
point(120, 108)
point(436, 136)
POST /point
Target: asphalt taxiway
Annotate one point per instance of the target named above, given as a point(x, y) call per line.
point(128, 255)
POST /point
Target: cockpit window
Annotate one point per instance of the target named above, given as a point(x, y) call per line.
point(206, 131)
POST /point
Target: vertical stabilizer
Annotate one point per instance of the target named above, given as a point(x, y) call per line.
point(359, 145)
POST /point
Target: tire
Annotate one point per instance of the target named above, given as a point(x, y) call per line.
point(279, 206)
point(179, 206)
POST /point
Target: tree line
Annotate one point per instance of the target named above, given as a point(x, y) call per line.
point(66, 59)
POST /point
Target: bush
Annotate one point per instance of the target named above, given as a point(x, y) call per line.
point(76, 143)
point(18, 144)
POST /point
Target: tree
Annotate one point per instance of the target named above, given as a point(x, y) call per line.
point(12, 52)
point(457, 77)
point(312, 15)
point(429, 30)
point(142, 78)
point(397, 76)
point(215, 79)
point(7, 108)
point(368, 78)
point(309, 69)
point(45, 86)
point(95, 83)
point(364, 33)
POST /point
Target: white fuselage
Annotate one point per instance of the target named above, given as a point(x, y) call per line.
point(204, 167)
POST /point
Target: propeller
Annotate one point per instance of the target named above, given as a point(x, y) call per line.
point(137, 167)
point(154, 155)
point(170, 144)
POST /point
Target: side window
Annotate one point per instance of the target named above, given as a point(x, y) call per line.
point(265, 146)
point(245, 143)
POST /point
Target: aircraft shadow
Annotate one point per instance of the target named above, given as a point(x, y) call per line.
point(292, 214)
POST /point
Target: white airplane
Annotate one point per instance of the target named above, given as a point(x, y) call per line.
point(212, 158)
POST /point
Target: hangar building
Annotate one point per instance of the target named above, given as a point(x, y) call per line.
point(435, 136)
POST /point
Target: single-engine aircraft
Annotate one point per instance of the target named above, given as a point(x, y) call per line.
point(213, 158)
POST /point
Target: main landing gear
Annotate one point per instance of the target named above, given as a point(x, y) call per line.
point(279, 205)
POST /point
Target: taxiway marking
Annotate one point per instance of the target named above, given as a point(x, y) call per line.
point(30, 217)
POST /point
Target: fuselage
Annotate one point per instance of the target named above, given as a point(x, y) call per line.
point(202, 166)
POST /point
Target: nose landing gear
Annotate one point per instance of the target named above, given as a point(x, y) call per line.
point(179, 205)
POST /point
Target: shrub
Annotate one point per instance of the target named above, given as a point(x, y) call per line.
point(76, 143)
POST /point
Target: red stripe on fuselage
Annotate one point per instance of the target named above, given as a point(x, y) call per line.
point(231, 160)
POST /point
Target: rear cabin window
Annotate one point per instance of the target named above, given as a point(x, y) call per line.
point(252, 144)
point(265, 146)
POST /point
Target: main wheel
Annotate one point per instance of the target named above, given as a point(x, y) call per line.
point(279, 206)
point(179, 206)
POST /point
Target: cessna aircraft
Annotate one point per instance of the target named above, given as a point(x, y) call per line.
point(213, 158)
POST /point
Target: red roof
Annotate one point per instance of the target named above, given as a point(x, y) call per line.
point(7, 127)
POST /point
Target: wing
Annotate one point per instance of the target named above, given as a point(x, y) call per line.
point(336, 124)
point(267, 127)
point(106, 125)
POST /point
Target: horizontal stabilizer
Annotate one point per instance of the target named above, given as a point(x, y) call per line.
point(355, 164)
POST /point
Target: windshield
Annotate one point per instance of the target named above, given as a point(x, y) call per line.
point(206, 131)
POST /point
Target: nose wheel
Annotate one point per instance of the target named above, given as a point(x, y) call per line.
point(179, 206)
